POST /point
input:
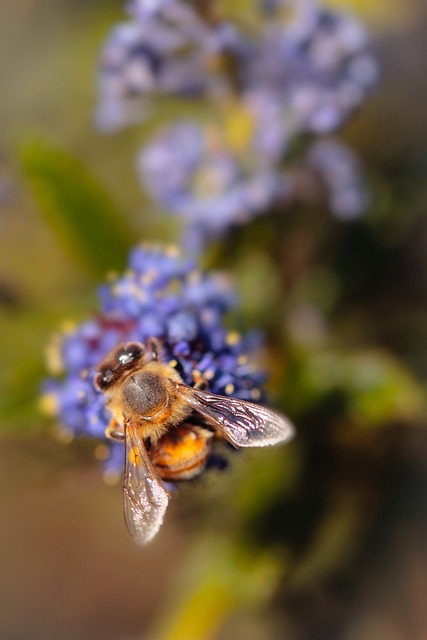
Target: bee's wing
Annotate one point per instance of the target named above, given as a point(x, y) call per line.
point(145, 498)
point(244, 424)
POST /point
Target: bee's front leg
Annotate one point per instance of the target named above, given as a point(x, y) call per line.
point(115, 431)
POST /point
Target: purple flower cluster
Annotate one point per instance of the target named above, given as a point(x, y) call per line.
point(160, 296)
point(165, 50)
point(299, 72)
point(191, 172)
point(316, 63)
point(313, 61)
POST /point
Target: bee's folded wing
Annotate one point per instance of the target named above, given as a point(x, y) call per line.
point(244, 424)
point(145, 498)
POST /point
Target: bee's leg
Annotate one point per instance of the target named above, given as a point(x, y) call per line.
point(200, 381)
point(154, 347)
point(114, 431)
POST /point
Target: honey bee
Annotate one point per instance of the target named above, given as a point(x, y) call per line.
point(167, 428)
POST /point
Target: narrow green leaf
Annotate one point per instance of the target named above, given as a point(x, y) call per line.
point(77, 207)
point(222, 576)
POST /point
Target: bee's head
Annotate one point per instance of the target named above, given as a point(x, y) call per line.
point(146, 393)
point(121, 360)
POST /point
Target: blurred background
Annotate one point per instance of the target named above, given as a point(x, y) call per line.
point(324, 539)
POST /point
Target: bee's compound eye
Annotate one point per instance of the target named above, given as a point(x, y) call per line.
point(130, 353)
point(145, 393)
point(102, 379)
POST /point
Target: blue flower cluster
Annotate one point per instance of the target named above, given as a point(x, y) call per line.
point(212, 189)
point(166, 49)
point(317, 65)
point(299, 71)
point(209, 188)
point(160, 296)
point(313, 61)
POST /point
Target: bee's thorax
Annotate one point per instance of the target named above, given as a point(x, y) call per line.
point(148, 397)
point(145, 394)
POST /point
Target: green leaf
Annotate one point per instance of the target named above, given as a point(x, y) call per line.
point(222, 576)
point(77, 207)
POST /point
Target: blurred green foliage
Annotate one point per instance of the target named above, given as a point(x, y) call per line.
point(80, 211)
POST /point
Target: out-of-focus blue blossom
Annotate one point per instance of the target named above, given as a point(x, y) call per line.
point(339, 170)
point(191, 172)
point(315, 61)
point(143, 9)
point(160, 296)
point(166, 50)
point(303, 73)
point(141, 60)
point(297, 73)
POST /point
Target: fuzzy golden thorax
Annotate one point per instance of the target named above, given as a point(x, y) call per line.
point(147, 396)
